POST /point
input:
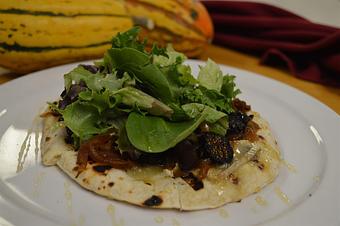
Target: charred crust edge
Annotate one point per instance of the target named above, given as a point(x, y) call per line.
point(101, 168)
point(153, 201)
point(193, 181)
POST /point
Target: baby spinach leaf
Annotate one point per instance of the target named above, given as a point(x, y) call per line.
point(127, 59)
point(154, 134)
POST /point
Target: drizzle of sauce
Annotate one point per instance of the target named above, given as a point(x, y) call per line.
point(68, 196)
point(281, 195)
point(112, 212)
point(37, 183)
point(37, 139)
point(26, 145)
point(175, 222)
point(223, 213)
point(159, 219)
point(69, 206)
point(261, 201)
point(253, 209)
point(145, 174)
point(24, 149)
point(289, 166)
point(81, 220)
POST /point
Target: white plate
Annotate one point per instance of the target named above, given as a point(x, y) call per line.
point(307, 132)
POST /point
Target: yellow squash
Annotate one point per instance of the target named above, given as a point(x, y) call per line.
point(36, 34)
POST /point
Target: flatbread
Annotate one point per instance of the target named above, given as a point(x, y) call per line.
point(156, 187)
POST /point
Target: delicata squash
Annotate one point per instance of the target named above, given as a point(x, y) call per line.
point(36, 34)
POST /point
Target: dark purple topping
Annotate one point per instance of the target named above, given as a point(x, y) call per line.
point(69, 138)
point(217, 148)
point(187, 154)
point(91, 68)
point(237, 123)
point(166, 158)
point(71, 95)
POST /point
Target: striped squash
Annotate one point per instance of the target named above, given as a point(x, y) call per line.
point(36, 34)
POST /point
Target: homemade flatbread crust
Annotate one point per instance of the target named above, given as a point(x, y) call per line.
point(155, 186)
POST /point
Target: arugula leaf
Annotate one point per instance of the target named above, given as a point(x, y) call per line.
point(154, 134)
point(156, 50)
point(229, 89)
point(210, 76)
point(207, 97)
point(129, 39)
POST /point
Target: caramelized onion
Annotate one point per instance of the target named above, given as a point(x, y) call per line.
point(101, 150)
point(250, 132)
point(204, 167)
point(240, 105)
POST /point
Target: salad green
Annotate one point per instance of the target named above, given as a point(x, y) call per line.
point(150, 98)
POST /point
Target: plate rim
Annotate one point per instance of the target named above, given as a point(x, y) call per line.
point(317, 102)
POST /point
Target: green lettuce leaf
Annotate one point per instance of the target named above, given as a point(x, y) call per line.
point(101, 101)
point(95, 82)
point(217, 120)
point(83, 120)
point(210, 76)
point(229, 89)
point(195, 110)
point(170, 57)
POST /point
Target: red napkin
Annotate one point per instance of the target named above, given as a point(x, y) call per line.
point(310, 51)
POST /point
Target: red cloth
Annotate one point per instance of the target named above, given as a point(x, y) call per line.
point(310, 51)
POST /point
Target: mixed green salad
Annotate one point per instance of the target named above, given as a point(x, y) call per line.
point(149, 98)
